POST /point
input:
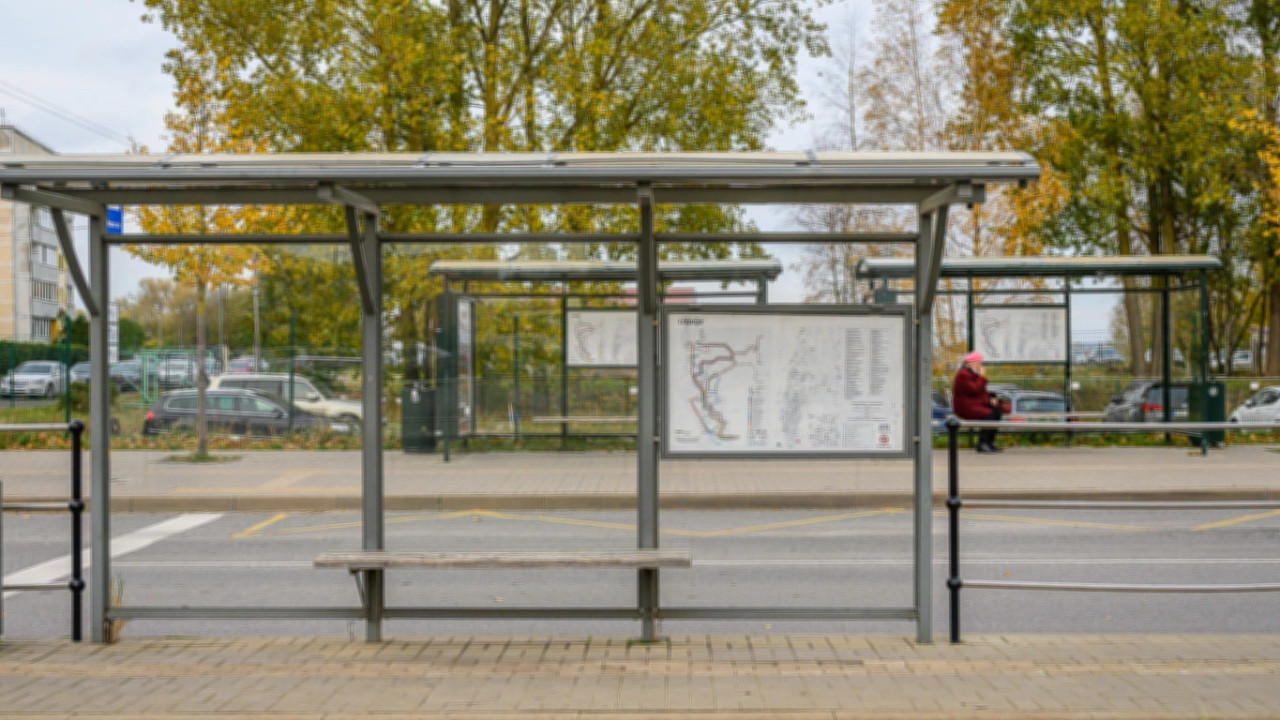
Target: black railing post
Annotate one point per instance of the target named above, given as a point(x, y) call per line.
point(953, 510)
point(76, 506)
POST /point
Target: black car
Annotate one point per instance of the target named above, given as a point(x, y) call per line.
point(237, 412)
point(1143, 401)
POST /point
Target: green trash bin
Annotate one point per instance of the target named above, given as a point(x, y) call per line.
point(1208, 403)
point(418, 419)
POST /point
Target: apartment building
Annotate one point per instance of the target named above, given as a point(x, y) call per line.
point(34, 284)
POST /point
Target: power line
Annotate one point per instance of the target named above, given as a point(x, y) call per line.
point(30, 98)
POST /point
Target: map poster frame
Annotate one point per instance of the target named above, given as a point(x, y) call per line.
point(632, 312)
point(670, 361)
point(994, 359)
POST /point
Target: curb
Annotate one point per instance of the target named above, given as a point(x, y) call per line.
point(620, 501)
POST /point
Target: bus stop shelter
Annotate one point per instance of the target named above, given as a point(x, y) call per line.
point(1190, 270)
point(360, 184)
point(561, 282)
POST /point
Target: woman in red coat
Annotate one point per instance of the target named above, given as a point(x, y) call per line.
point(971, 401)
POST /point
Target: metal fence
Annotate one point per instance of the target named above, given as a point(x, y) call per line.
point(955, 503)
point(75, 506)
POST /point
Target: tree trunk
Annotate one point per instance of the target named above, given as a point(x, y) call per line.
point(202, 431)
point(1273, 330)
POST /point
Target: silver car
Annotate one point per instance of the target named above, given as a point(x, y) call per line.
point(35, 378)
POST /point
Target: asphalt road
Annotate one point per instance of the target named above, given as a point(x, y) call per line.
point(767, 558)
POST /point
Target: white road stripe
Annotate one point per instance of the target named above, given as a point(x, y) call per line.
point(58, 568)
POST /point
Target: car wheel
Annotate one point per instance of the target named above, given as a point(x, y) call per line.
point(48, 390)
point(351, 420)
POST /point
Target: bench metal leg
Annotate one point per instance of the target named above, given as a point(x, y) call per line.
point(373, 587)
point(648, 590)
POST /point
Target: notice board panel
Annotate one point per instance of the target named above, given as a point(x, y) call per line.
point(786, 381)
point(601, 338)
point(1021, 333)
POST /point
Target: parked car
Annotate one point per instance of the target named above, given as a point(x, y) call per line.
point(1143, 401)
point(248, 364)
point(127, 375)
point(238, 412)
point(1264, 406)
point(1106, 355)
point(34, 378)
point(176, 372)
point(80, 373)
point(1025, 403)
point(1242, 360)
point(308, 394)
point(940, 412)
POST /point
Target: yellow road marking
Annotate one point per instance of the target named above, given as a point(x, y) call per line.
point(687, 533)
point(1046, 521)
point(251, 530)
point(291, 477)
point(1233, 521)
point(796, 523)
point(585, 523)
point(344, 525)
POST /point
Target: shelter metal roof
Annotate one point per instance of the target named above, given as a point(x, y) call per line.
point(556, 271)
point(874, 268)
point(297, 178)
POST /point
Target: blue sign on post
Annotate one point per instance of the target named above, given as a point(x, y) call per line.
point(115, 219)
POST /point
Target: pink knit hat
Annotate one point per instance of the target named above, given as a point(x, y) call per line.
point(973, 357)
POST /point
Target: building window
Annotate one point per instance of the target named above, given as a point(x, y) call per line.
point(41, 329)
point(42, 290)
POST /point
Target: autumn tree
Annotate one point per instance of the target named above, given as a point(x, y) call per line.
point(500, 76)
point(201, 126)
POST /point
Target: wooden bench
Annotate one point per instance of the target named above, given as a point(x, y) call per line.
point(367, 568)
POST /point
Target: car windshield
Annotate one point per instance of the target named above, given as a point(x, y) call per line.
point(1041, 404)
point(323, 389)
point(35, 368)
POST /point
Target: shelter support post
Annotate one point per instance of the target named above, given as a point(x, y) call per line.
point(1066, 366)
point(647, 422)
point(929, 246)
point(1204, 351)
point(371, 487)
point(1166, 369)
point(564, 364)
point(99, 435)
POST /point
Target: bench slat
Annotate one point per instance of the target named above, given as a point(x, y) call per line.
point(383, 559)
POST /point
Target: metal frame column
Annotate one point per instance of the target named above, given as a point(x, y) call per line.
point(564, 362)
point(647, 422)
point(371, 485)
point(99, 434)
point(930, 243)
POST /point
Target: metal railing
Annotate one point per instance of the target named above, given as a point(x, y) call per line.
point(955, 503)
point(75, 506)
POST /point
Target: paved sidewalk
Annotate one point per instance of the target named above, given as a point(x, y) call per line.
point(328, 480)
point(723, 677)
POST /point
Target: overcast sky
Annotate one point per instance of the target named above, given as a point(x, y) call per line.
point(98, 60)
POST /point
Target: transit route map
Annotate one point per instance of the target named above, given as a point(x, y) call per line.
point(601, 338)
point(755, 383)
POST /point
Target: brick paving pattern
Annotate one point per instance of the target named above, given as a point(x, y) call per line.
point(724, 677)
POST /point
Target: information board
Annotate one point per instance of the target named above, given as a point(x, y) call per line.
point(466, 389)
point(1020, 333)
point(601, 338)
point(785, 381)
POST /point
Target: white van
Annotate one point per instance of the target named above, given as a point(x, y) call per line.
point(307, 395)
